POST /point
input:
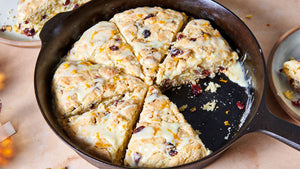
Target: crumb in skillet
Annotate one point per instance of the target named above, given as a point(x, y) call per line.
point(227, 111)
point(182, 108)
point(193, 109)
point(209, 106)
point(226, 123)
point(212, 87)
point(222, 80)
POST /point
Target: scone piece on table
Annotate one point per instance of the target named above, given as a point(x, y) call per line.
point(162, 137)
point(199, 51)
point(150, 32)
point(79, 86)
point(292, 70)
point(33, 14)
point(105, 130)
point(103, 44)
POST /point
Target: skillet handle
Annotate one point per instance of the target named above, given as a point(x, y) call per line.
point(265, 122)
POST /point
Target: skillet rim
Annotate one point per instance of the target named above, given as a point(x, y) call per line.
point(249, 118)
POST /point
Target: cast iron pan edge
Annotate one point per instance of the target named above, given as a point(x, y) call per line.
point(259, 120)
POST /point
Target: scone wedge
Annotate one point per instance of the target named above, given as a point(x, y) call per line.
point(105, 130)
point(150, 32)
point(291, 69)
point(103, 44)
point(79, 86)
point(199, 51)
point(33, 14)
point(162, 137)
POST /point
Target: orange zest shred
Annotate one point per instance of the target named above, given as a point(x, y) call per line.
point(226, 123)
point(224, 81)
point(288, 94)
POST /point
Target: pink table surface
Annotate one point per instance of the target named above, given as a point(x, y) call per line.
point(37, 147)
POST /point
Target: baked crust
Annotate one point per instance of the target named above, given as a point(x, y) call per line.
point(162, 137)
point(150, 32)
point(199, 51)
point(103, 44)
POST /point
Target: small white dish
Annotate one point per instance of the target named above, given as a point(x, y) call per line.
point(8, 11)
point(288, 46)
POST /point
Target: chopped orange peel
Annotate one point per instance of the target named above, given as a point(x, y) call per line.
point(288, 94)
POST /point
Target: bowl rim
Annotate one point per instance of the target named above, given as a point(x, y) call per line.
point(285, 107)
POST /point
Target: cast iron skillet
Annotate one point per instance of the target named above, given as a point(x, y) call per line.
point(63, 30)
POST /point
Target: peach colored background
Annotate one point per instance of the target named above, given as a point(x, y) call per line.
point(38, 147)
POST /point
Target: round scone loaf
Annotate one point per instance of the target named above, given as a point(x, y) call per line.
point(110, 82)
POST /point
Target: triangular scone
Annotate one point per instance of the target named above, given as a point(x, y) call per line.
point(78, 86)
point(162, 137)
point(199, 51)
point(33, 14)
point(103, 44)
point(106, 129)
point(291, 69)
point(149, 31)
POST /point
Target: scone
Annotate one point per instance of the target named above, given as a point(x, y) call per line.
point(33, 14)
point(162, 137)
point(149, 31)
point(105, 130)
point(103, 44)
point(79, 86)
point(199, 51)
point(292, 70)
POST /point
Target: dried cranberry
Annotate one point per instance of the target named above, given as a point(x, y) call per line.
point(205, 72)
point(138, 129)
point(94, 120)
point(44, 17)
point(296, 103)
point(146, 33)
point(175, 52)
point(166, 84)
point(19, 27)
point(75, 6)
point(117, 102)
point(221, 68)
point(240, 105)
point(149, 16)
point(281, 70)
point(66, 3)
point(29, 32)
point(117, 39)
point(196, 89)
point(92, 105)
point(180, 36)
point(291, 81)
point(26, 22)
point(173, 152)
point(114, 48)
point(2, 29)
point(193, 39)
point(137, 157)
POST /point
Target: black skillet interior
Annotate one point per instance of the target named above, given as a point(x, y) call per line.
point(63, 30)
